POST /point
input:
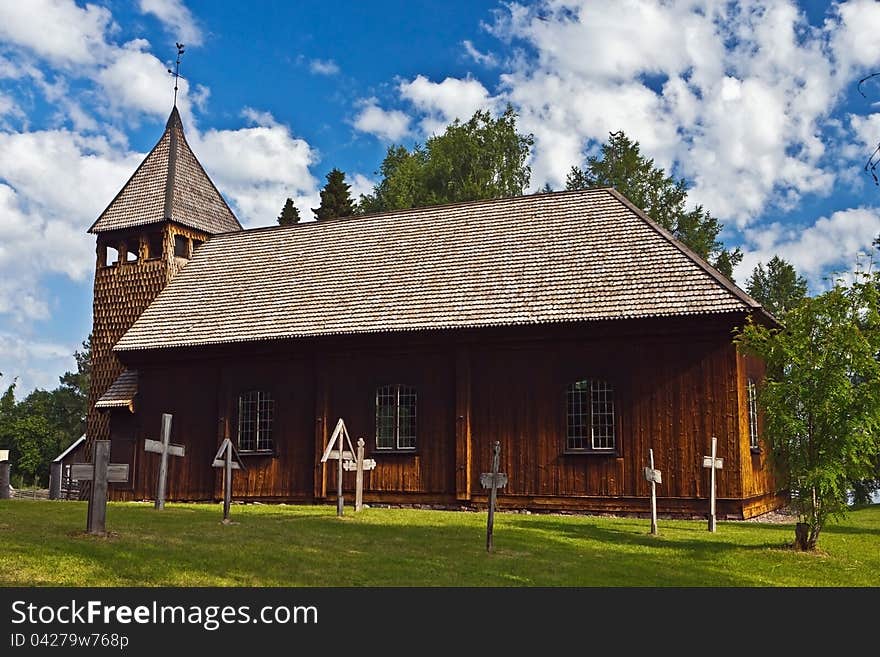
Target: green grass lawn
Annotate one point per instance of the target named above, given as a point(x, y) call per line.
point(42, 544)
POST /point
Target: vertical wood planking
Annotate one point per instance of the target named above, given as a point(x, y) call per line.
point(463, 447)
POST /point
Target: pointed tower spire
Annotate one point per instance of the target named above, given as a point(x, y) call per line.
point(169, 185)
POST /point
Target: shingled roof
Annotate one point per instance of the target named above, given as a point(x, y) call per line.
point(121, 393)
point(170, 184)
point(544, 258)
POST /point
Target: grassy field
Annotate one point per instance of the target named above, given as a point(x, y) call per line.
point(42, 544)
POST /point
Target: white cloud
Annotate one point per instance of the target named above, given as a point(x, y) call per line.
point(257, 168)
point(137, 80)
point(830, 244)
point(323, 67)
point(735, 97)
point(32, 363)
point(360, 185)
point(443, 102)
point(59, 30)
point(484, 59)
point(388, 125)
point(176, 18)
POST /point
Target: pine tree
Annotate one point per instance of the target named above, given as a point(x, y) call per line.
point(335, 197)
point(662, 198)
point(778, 287)
point(289, 214)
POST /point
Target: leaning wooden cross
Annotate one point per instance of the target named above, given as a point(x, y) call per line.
point(713, 464)
point(163, 447)
point(341, 454)
point(227, 458)
point(654, 476)
point(100, 472)
point(359, 466)
point(493, 481)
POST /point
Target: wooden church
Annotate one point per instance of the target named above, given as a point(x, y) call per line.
point(568, 326)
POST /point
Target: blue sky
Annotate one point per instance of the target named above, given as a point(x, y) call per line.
point(754, 103)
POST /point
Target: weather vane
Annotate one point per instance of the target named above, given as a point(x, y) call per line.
point(176, 71)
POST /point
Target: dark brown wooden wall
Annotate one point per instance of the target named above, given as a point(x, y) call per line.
point(674, 390)
point(756, 471)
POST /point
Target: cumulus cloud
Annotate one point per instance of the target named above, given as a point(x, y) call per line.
point(176, 18)
point(323, 67)
point(441, 103)
point(35, 363)
point(388, 125)
point(258, 167)
point(59, 30)
point(734, 96)
point(832, 243)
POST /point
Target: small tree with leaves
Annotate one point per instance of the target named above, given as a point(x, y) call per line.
point(778, 287)
point(289, 214)
point(821, 399)
point(335, 197)
point(622, 166)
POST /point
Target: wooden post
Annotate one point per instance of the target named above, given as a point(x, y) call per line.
point(4, 480)
point(164, 437)
point(712, 487)
point(97, 513)
point(359, 477)
point(713, 463)
point(55, 480)
point(653, 496)
point(340, 502)
point(227, 486)
point(493, 491)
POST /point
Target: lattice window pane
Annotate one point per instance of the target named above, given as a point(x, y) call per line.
point(265, 418)
point(386, 402)
point(247, 420)
point(602, 411)
point(406, 421)
point(395, 417)
point(577, 414)
point(753, 413)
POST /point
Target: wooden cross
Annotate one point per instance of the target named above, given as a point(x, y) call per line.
point(359, 466)
point(100, 472)
point(655, 478)
point(227, 458)
point(713, 464)
point(163, 447)
point(493, 481)
point(341, 455)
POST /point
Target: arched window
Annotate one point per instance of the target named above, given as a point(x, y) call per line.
point(752, 395)
point(590, 416)
point(256, 413)
point(395, 417)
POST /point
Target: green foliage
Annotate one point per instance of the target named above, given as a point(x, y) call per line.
point(663, 198)
point(821, 398)
point(335, 197)
point(481, 158)
point(289, 214)
point(778, 288)
point(38, 427)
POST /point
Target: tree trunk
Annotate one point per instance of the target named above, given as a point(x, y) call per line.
point(802, 536)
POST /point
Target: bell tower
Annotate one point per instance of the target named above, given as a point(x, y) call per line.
point(148, 233)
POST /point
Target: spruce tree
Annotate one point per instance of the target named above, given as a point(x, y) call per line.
point(662, 198)
point(778, 288)
point(335, 197)
point(289, 214)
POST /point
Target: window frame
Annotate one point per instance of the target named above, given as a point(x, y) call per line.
point(409, 390)
point(590, 438)
point(263, 396)
point(752, 415)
